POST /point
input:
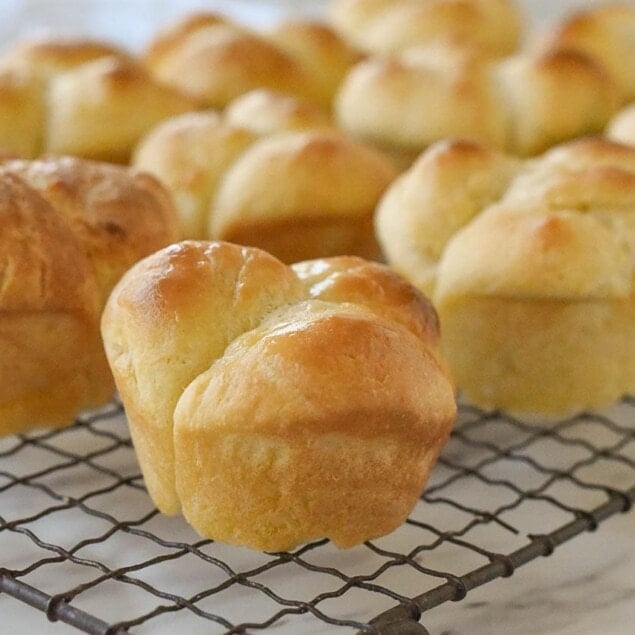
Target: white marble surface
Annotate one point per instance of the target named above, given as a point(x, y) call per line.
point(586, 588)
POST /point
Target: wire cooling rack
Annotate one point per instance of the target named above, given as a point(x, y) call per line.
point(80, 540)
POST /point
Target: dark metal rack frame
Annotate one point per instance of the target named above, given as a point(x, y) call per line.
point(492, 438)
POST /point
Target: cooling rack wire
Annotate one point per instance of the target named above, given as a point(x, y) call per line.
point(81, 542)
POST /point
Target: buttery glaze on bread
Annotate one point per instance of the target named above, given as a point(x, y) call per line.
point(530, 265)
point(69, 230)
point(522, 104)
point(387, 27)
point(272, 404)
point(299, 195)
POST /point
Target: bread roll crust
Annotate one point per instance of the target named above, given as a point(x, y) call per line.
point(534, 286)
point(318, 459)
point(326, 189)
point(189, 154)
point(522, 104)
point(604, 33)
point(444, 190)
point(69, 230)
point(118, 215)
point(218, 63)
point(248, 377)
point(48, 297)
point(112, 90)
point(162, 311)
point(404, 105)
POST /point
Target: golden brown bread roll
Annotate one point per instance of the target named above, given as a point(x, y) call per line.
point(605, 33)
point(325, 188)
point(300, 195)
point(272, 404)
point(55, 96)
point(107, 90)
point(220, 62)
point(265, 112)
point(325, 55)
point(531, 266)
point(24, 72)
point(70, 228)
point(444, 190)
point(403, 105)
point(392, 26)
point(554, 97)
point(189, 154)
point(522, 104)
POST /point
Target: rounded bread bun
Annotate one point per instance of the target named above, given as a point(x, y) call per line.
point(70, 228)
point(531, 266)
point(322, 204)
point(22, 112)
point(521, 105)
point(107, 90)
point(266, 112)
point(444, 190)
point(25, 71)
point(189, 154)
point(220, 62)
point(221, 177)
point(403, 105)
point(391, 26)
point(272, 404)
point(605, 33)
point(55, 96)
point(49, 316)
point(119, 216)
point(325, 55)
point(553, 97)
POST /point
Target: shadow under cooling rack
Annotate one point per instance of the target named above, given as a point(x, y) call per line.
point(81, 541)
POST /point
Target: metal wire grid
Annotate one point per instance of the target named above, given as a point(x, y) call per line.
point(80, 541)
